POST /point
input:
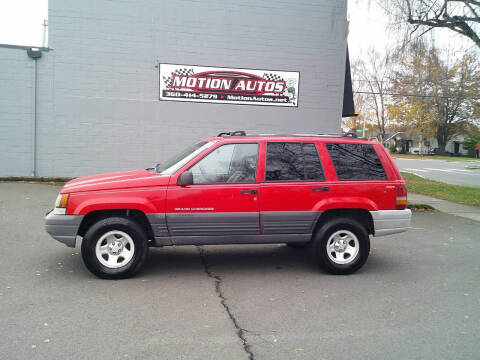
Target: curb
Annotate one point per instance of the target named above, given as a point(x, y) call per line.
point(417, 207)
point(35, 180)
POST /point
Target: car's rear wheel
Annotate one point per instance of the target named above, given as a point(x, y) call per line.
point(341, 246)
point(114, 248)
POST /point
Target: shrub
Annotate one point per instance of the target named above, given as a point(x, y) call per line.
point(392, 148)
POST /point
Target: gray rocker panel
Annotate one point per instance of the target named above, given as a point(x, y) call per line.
point(213, 224)
point(232, 239)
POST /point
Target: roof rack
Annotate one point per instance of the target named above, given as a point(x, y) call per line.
point(232, 133)
point(333, 135)
point(351, 134)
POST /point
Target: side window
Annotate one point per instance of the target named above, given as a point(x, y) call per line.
point(293, 162)
point(230, 163)
point(356, 162)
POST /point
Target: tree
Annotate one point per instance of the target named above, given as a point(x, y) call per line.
point(470, 143)
point(460, 16)
point(412, 114)
point(445, 93)
point(473, 138)
point(372, 75)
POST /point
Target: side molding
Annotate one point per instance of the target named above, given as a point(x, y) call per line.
point(288, 222)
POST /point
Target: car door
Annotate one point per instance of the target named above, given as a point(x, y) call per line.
point(294, 183)
point(223, 199)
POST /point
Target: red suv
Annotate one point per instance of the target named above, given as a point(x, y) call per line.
point(328, 192)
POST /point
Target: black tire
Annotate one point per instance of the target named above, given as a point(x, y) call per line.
point(94, 233)
point(322, 236)
point(297, 245)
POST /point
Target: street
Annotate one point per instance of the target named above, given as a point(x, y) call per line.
point(450, 172)
point(417, 297)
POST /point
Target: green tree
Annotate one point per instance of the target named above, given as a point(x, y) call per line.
point(472, 139)
point(470, 143)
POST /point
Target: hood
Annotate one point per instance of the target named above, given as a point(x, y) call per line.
point(116, 180)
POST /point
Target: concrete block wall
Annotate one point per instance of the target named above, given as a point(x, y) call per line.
point(99, 88)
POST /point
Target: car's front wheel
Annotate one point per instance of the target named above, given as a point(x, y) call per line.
point(341, 246)
point(114, 248)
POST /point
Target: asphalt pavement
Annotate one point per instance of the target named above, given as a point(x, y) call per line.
point(417, 297)
point(450, 172)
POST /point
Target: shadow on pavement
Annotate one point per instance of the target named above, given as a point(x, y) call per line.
point(239, 259)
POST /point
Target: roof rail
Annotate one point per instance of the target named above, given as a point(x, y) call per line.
point(232, 133)
point(352, 135)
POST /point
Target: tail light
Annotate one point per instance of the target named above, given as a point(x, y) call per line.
point(401, 200)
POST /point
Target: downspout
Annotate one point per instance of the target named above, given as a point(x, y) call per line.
point(35, 54)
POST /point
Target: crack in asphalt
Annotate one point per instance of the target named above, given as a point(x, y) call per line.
point(218, 289)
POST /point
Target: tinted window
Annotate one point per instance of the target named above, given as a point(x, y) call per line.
point(293, 162)
point(356, 162)
point(231, 163)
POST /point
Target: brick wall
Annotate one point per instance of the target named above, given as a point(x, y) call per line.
point(98, 87)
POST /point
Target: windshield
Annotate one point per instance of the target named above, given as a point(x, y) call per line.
point(176, 162)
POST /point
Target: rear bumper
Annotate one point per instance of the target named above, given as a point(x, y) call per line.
point(63, 228)
point(388, 222)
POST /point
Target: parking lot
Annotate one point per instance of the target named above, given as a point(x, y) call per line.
point(417, 297)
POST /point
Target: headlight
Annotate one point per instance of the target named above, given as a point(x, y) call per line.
point(61, 204)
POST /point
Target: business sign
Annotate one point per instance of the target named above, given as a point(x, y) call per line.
point(228, 86)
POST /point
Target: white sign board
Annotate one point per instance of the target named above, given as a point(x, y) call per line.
point(228, 86)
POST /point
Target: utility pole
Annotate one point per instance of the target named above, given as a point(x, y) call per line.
point(363, 133)
point(34, 54)
point(45, 26)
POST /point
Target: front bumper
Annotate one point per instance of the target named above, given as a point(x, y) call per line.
point(388, 222)
point(63, 228)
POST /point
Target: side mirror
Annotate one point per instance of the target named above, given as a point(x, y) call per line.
point(185, 179)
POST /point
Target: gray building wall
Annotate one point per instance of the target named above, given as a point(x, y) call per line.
point(98, 87)
point(16, 107)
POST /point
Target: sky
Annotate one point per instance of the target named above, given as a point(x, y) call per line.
point(368, 27)
point(21, 24)
point(21, 21)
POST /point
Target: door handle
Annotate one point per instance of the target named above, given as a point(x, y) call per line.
point(249, 192)
point(320, 188)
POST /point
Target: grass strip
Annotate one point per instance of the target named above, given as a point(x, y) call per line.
point(468, 195)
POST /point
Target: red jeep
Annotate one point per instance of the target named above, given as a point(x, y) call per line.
point(329, 192)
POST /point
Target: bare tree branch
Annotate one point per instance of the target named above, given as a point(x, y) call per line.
point(460, 16)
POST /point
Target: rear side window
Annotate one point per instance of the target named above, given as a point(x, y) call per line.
point(356, 162)
point(289, 161)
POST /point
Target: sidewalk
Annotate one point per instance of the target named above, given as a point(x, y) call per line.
point(466, 211)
